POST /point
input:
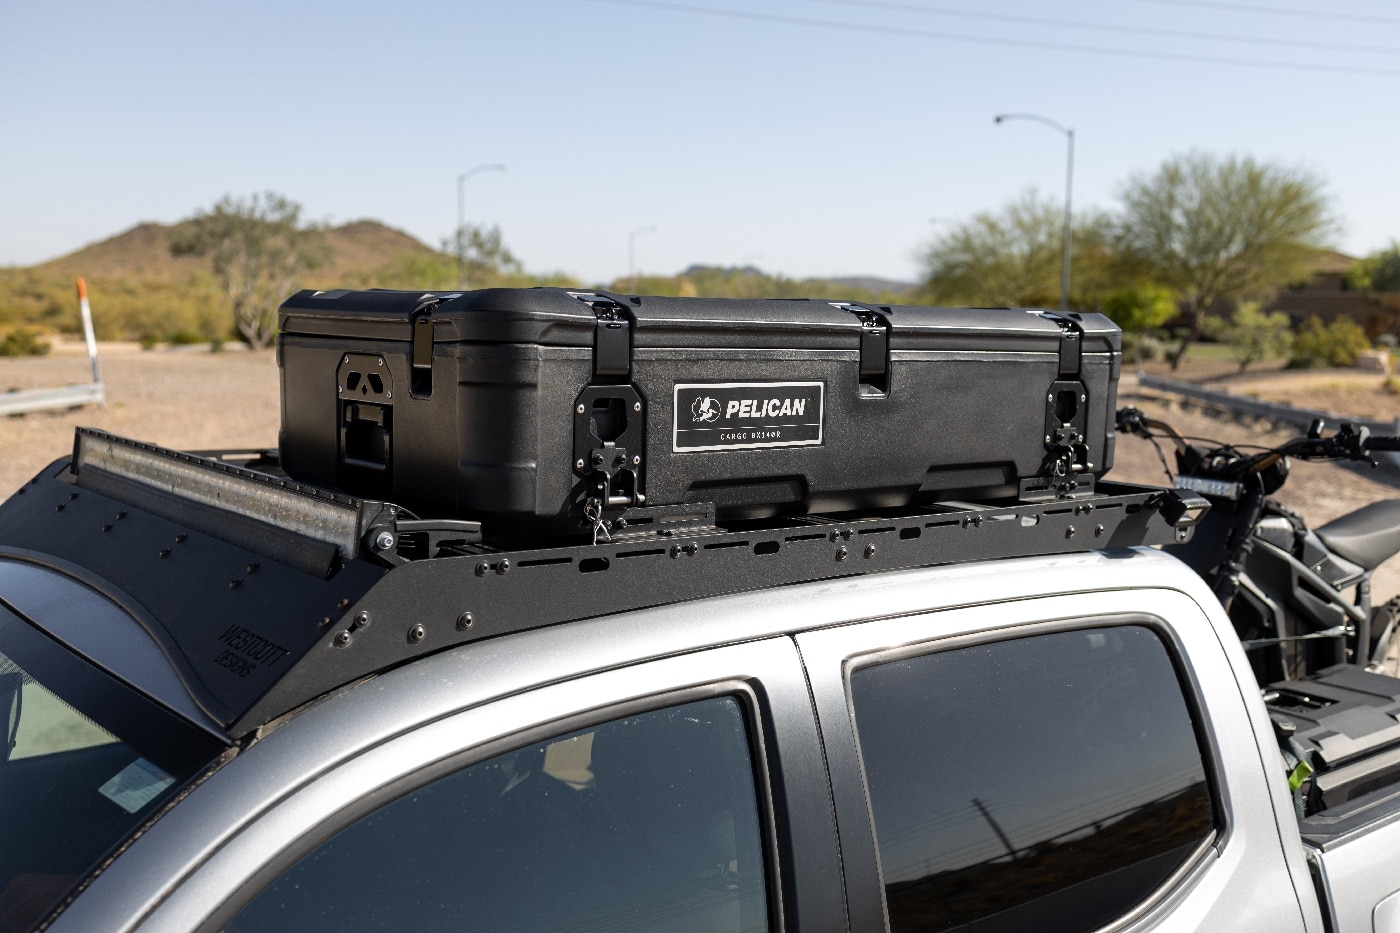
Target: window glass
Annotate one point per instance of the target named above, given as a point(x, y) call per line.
point(84, 762)
point(1048, 783)
point(645, 823)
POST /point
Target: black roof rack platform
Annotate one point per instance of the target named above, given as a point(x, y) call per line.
point(270, 593)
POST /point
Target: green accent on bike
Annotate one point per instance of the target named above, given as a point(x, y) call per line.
point(1300, 773)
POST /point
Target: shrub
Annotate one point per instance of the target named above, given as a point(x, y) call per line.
point(1255, 335)
point(23, 341)
point(1336, 344)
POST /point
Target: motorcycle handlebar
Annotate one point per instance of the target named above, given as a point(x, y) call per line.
point(1382, 442)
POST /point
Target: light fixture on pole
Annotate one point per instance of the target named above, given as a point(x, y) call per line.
point(1068, 133)
point(462, 216)
point(632, 255)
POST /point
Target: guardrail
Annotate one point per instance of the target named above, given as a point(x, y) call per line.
point(74, 396)
point(1273, 411)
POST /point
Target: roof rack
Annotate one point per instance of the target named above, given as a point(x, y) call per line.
point(271, 593)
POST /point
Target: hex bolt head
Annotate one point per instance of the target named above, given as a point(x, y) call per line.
point(416, 634)
point(636, 406)
point(342, 639)
point(464, 621)
point(597, 458)
point(384, 541)
point(361, 620)
point(841, 553)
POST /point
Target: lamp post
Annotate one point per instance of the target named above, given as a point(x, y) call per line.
point(632, 255)
point(462, 215)
point(1068, 133)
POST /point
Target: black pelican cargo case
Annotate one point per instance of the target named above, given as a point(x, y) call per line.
point(549, 409)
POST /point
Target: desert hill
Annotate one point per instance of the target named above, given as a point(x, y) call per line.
point(143, 252)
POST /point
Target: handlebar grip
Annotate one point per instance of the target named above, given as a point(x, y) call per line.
point(1382, 442)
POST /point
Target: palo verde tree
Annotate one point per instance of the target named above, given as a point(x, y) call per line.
point(1221, 231)
point(259, 248)
point(1012, 257)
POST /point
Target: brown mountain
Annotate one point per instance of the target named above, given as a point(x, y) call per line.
point(143, 252)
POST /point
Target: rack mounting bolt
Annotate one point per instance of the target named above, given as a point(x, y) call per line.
point(636, 406)
point(384, 541)
point(464, 621)
point(342, 639)
point(361, 620)
point(869, 551)
point(841, 553)
point(504, 566)
point(1098, 531)
point(417, 634)
point(482, 569)
point(637, 460)
point(580, 409)
point(578, 464)
point(1069, 532)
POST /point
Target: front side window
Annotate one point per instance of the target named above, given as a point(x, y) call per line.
point(645, 823)
point(84, 762)
point(1049, 783)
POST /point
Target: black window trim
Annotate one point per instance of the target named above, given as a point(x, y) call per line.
point(1213, 844)
point(748, 694)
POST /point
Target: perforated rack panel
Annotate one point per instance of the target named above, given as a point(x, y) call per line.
point(213, 600)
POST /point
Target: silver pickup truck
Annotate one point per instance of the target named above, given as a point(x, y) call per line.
point(965, 717)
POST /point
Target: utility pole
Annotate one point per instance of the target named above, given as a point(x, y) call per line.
point(1068, 133)
point(462, 217)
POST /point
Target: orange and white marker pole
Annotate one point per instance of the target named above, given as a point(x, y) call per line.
point(88, 332)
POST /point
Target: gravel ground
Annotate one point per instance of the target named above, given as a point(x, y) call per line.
point(187, 399)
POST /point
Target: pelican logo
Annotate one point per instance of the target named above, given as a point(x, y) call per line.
point(704, 409)
point(747, 415)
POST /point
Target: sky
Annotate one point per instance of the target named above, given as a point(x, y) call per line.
point(804, 137)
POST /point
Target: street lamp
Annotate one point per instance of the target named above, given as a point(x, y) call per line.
point(632, 255)
point(1069, 187)
point(462, 216)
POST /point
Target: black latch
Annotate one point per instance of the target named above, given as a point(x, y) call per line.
point(420, 352)
point(1067, 464)
point(874, 348)
point(612, 336)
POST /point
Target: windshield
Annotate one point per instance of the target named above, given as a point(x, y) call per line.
point(84, 762)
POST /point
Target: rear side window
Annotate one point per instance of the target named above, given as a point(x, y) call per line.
point(649, 822)
point(1048, 783)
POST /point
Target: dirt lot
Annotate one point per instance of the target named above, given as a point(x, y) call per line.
point(188, 399)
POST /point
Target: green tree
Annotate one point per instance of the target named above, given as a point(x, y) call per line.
point(1138, 309)
point(1255, 335)
point(483, 257)
point(1012, 257)
point(1221, 230)
point(1378, 272)
point(259, 247)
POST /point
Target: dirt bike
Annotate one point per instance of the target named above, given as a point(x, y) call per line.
point(1299, 598)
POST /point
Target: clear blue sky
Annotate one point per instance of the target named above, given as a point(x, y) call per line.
point(756, 135)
